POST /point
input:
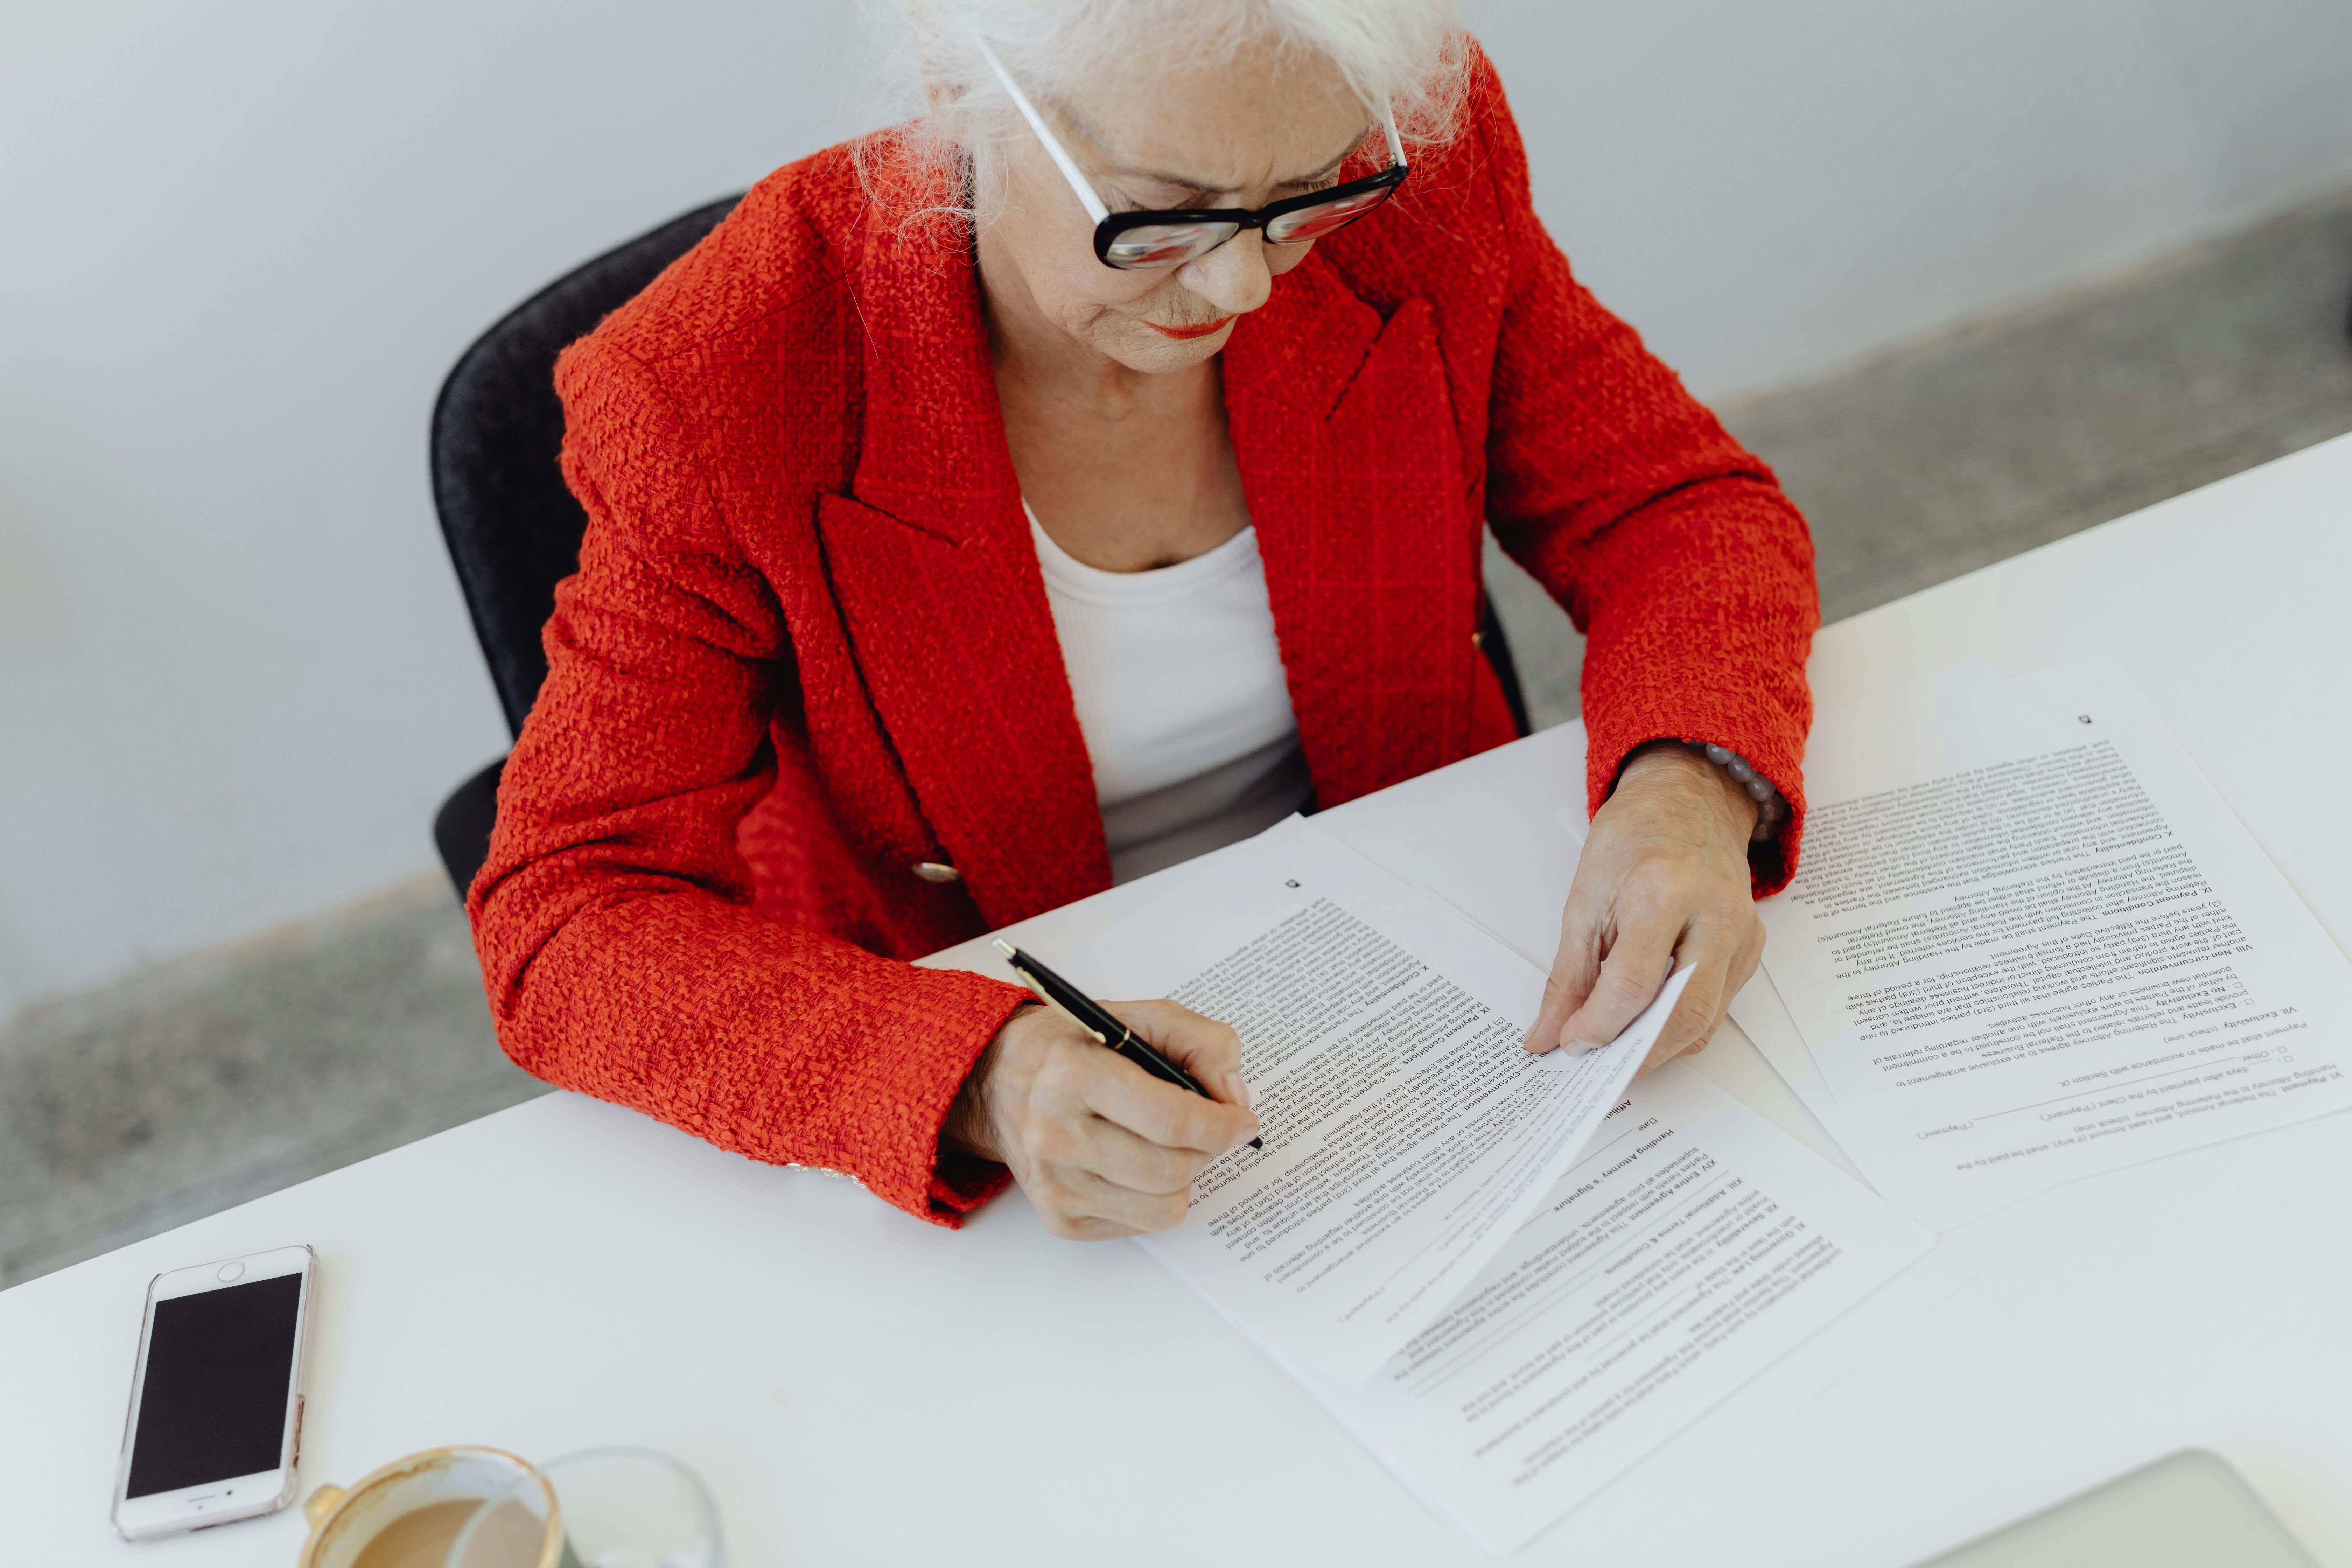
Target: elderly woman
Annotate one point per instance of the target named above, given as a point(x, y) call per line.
point(1084, 476)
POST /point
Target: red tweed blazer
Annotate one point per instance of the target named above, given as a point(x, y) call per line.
point(808, 646)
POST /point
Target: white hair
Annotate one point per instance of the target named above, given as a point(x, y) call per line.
point(1409, 54)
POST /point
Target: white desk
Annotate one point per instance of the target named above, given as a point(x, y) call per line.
point(859, 1388)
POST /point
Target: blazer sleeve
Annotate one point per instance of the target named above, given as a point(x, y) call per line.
point(1671, 546)
point(613, 918)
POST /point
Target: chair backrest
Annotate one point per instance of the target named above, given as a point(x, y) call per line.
point(512, 527)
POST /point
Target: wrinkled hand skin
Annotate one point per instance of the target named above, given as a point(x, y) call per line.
point(1663, 883)
point(1102, 1148)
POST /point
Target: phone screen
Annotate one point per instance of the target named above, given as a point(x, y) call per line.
point(213, 1405)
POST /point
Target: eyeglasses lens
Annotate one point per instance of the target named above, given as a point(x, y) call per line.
point(1167, 244)
point(1315, 222)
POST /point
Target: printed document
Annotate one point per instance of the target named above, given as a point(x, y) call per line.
point(1406, 1133)
point(1692, 1247)
point(1520, 1281)
point(2027, 943)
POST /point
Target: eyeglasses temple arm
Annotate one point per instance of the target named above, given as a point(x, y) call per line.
point(1085, 192)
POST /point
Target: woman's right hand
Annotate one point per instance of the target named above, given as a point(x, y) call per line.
point(1103, 1148)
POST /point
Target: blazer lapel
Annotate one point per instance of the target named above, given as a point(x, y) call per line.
point(931, 563)
point(1344, 430)
point(1343, 426)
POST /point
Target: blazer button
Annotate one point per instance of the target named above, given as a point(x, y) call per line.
point(937, 871)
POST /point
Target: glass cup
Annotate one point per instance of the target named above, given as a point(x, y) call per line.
point(633, 1508)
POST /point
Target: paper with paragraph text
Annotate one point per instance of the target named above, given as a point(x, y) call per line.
point(1686, 1259)
point(2028, 942)
point(1406, 1131)
point(1692, 1247)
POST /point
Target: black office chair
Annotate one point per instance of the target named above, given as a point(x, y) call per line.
point(513, 528)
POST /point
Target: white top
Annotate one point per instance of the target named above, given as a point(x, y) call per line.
point(1182, 698)
point(566, 1273)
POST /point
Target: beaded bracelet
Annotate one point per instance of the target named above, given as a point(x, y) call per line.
point(1770, 807)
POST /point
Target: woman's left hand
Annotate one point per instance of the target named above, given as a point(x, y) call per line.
point(1663, 883)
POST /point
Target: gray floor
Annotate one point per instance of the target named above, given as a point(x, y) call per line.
point(201, 1084)
point(179, 1092)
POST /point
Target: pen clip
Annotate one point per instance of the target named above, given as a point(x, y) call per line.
point(1048, 998)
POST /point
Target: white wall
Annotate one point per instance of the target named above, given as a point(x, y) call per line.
point(241, 242)
point(1770, 188)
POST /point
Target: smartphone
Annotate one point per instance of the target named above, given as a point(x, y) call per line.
point(216, 1395)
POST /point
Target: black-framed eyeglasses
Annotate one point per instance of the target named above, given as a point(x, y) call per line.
point(1141, 240)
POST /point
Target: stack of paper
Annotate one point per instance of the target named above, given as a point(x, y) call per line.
point(1519, 1281)
point(2027, 943)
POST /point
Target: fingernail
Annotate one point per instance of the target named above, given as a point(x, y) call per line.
point(1579, 1047)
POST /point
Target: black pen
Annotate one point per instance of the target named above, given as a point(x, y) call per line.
point(1095, 1019)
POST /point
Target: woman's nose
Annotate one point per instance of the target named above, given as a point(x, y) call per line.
point(1234, 276)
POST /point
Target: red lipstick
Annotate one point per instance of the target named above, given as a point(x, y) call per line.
point(1218, 325)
